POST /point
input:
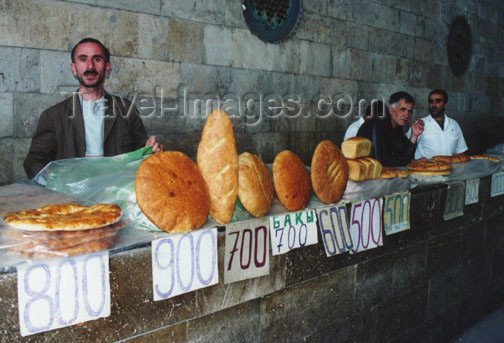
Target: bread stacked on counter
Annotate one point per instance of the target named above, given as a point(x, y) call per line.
point(361, 167)
point(62, 230)
point(429, 168)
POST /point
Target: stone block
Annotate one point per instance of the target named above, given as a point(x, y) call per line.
point(160, 115)
point(404, 312)
point(154, 37)
point(407, 23)
point(221, 296)
point(391, 43)
point(316, 6)
point(356, 36)
point(380, 64)
point(20, 70)
point(9, 315)
point(218, 45)
point(443, 252)
point(424, 50)
point(234, 14)
point(321, 29)
point(252, 53)
point(182, 142)
point(378, 16)
point(360, 327)
point(196, 10)
point(186, 41)
point(55, 74)
point(6, 160)
point(237, 324)
point(149, 6)
point(19, 152)
point(397, 70)
point(6, 115)
point(315, 58)
point(27, 110)
point(443, 327)
point(269, 144)
point(444, 292)
point(140, 76)
point(176, 333)
point(308, 307)
point(341, 62)
point(287, 57)
point(342, 9)
point(245, 143)
point(473, 241)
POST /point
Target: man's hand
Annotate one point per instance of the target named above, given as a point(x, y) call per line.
point(156, 147)
point(416, 130)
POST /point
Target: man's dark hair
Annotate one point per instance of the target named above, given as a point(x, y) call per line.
point(394, 98)
point(92, 40)
point(439, 91)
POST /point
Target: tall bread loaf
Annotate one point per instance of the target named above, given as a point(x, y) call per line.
point(218, 161)
point(370, 167)
point(171, 192)
point(329, 172)
point(356, 170)
point(255, 186)
point(291, 181)
point(356, 147)
point(377, 167)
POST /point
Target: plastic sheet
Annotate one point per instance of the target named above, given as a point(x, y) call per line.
point(17, 246)
point(109, 180)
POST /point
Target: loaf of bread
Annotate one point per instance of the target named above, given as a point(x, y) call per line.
point(369, 168)
point(376, 169)
point(428, 166)
point(329, 172)
point(171, 192)
point(218, 162)
point(431, 173)
point(456, 158)
point(356, 147)
point(388, 173)
point(255, 186)
point(291, 181)
point(356, 170)
point(484, 157)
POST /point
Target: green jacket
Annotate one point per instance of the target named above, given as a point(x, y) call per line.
point(60, 132)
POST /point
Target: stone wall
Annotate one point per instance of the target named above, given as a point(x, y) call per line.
point(178, 55)
point(426, 284)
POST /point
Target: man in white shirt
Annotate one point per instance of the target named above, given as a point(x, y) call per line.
point(442, 135)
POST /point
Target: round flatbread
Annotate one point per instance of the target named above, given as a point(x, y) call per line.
point(456, 158)
point(484, 157)
point(65, 217)
point(428, 166)
point(291, 181)
point(430, 173)
point(171, 192)
point(329, 172)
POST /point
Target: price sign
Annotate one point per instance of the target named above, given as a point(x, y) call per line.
point(62, 292)
point(396, 213)
point(247, 251)
point(183, 263)
point(333, 223)
point(292, 230)
point(472, 191)
point(366, 225)
point(497, 184)
point(454, 204)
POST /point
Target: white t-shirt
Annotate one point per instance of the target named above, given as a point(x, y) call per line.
point(353, 129)
point(94, 116)
point(435, 142)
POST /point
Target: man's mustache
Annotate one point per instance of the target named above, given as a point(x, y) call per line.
point(90, 72)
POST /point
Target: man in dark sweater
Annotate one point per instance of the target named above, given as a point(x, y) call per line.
point(390, 145)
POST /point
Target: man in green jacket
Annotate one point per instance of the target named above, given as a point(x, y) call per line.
point(92, 122)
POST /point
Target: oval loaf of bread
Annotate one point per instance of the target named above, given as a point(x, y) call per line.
point(329, 172)
point(218, 162)
point(171, 192)
point(291, 181)
point(255, 187)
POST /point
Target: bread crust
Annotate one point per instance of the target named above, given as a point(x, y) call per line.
point(484, 157)
point(431, 173)
point(217, 159)
point(388, 173)
point(64, 217)
point(356, 170)
point(377, 167)
point(456, 158)
point(428, 166)
point(356, 147)
point(171, 192)
point(329, 172)
point(291, 181)
point(255, 186)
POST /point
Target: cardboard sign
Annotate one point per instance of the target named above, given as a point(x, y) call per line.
point(454, 204)
point(292, 230)
point(333, 223)
point(366, 225)
point(62, 292)
point(472, 191)
point(246, 251)
point(497, 184)
point(183, 263)
point(396, 212)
